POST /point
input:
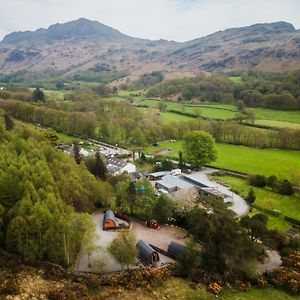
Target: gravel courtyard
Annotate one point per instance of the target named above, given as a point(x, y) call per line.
point(102, 261)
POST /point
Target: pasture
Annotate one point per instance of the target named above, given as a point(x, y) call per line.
point(266, 198)
point(290, 116)
point(282, 163)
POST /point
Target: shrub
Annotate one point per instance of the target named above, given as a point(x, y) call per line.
point(258, 180)
point(285, 188)
point(251, 197)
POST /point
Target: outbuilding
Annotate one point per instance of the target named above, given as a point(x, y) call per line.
point(109, 220)
point(176, 250)
point(146, 253)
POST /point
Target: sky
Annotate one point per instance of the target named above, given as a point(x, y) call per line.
point(178, 20)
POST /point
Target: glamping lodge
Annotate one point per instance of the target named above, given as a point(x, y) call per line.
point(147, 254)
point(114, 221)
point(176, 250)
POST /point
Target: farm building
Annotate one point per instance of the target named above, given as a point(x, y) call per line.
point(146, 253)
point(111, 222)
point(176, 250)
point(158, 175)
point(117, 166)
point(172, 183)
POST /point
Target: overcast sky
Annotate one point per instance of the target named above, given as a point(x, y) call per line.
point(178, 20)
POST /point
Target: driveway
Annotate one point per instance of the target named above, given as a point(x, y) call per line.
point(239, 205)
point(272, 262)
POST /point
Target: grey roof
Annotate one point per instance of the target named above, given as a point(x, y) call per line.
point(176, 249)
point(159, 174)
point(170, 181)
point(112, 168)
point(108, 215)
point(145, 250)
point(110, 160)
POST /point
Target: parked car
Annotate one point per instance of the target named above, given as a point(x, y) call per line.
point(187, 171)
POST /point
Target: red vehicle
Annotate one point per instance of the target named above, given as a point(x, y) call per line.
point(153, 224)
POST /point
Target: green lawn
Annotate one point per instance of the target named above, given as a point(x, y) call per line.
point(168, 117)
point(245, 159)
point(266, 198)
point(236, 79)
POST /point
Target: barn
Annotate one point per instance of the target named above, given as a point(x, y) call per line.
point(146, 253)
point(176, 250)
point(109, 220)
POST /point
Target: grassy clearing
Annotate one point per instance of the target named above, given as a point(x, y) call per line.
point(67, 139)
point(266, 198)
point(168, 117)
point(278, 115)
point(245, 159)
point(236, 79)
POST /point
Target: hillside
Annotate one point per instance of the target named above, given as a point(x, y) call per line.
point(76, 46)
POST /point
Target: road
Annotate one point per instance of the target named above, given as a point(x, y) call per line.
point(239, 205)
point(272, 262)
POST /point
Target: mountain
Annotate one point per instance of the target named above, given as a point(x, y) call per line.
point(81, 29)
point(82, 45)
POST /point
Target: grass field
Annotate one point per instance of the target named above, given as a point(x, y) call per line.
point(278, 115)
point(236, 79)
point(278, 124)
point(67, 139)
point(266, 198)
point(211, 111)
point(245, 159)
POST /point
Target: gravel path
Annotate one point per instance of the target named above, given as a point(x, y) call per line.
point(272, 262)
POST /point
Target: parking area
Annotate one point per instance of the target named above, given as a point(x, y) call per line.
point(100, 260)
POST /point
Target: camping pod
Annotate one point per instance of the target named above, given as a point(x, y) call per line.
point(176, 250)
point(146, 253)
point(109, 220)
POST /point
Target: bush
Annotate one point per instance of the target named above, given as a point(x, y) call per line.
point(258, 180)
point(285, 188)
point(251, 197)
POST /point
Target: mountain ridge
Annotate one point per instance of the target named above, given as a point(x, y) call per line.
point(82, 44)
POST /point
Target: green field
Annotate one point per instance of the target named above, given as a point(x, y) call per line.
point(211, 111)
point(278, 115)
point(278, 124)
point(236, 79)
point(245, 159)
point(266, 198)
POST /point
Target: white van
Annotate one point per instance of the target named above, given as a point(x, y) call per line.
point(176, 172)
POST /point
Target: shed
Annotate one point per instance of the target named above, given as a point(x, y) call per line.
point(146, 253)
point(109, 220)
point(176, 249)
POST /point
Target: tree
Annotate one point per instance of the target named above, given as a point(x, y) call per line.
point(251, 114)
point(100, 168)
point(256, 225)
point(123, 249)
point(190, 260)
point(180, 160)
point(258, 180)
point(162, 106)
point(115, 91)
point(163, 209)
point(9, 124)
point(199, 148)
point(197, 112)
point(131, 192)
point(76, 153)
point(240, 105)
point(38, 95)
point(251, 196)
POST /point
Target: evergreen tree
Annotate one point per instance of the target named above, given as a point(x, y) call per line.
point(76, 153)
point(38, 95)
point(100, 168)
point(251, 196)
point(9, 124)
point(180, 161)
